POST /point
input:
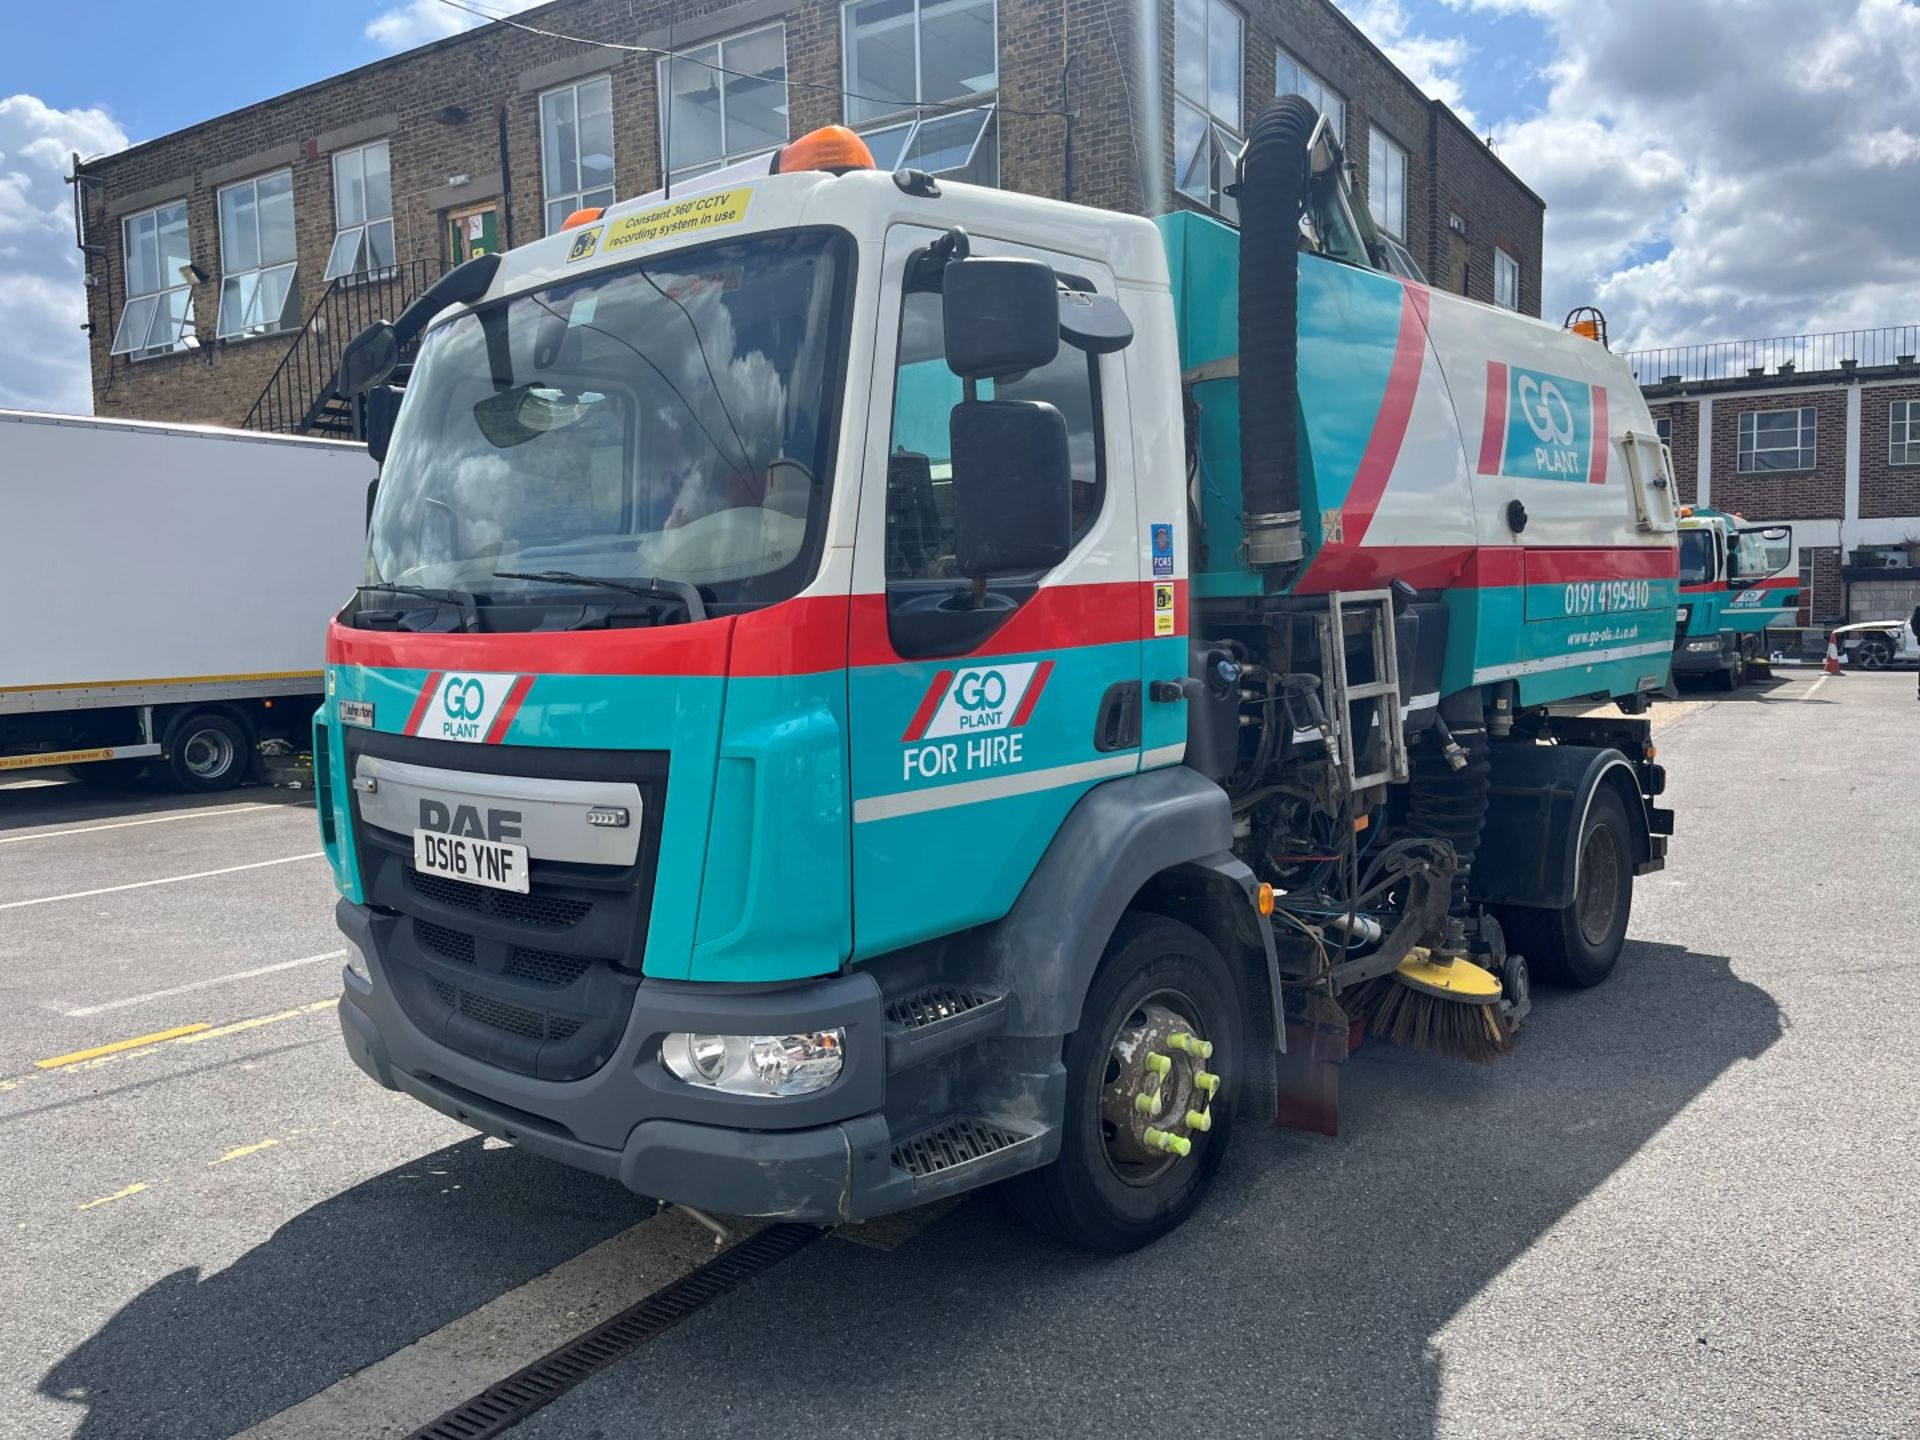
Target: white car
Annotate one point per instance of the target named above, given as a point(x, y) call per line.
point(1876, 644)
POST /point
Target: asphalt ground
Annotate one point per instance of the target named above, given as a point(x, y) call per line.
point(1685, 1207)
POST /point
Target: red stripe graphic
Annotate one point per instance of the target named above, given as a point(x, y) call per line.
point(1602, 441)
point(509, 708)
point(1493, 435)
point(930, 702)
point(1032, 697)
point(427, 692)
point(1628, 562)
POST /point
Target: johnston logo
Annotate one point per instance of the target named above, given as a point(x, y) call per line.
point(1542, 427)
point(468, 705)
point(969, 702)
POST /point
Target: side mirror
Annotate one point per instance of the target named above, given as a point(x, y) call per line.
point(1012, 486)
point(1094, 323)
point(370, 357)
point(380, 406)
point(1002, 317)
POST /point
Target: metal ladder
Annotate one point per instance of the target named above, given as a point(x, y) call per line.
point(1378, 605)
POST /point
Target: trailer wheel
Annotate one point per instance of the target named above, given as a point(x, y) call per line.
point(1580, 945)
point(1113, 1189)
point(208, 751)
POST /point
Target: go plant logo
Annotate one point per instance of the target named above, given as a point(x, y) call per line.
point(468, 705)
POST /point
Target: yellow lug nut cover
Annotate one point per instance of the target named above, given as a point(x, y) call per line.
point(1206, 1080)
point(1157, 1063)
point(1199, 1120)
point(1147, 1101)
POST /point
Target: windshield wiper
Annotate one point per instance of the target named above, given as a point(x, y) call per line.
point(461, 599)
point(635, 585)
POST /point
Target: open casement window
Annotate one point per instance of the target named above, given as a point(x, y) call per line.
point(959, 144)
point(724, 102)
point(159, 300)
point(1208, 111)
point(1290, 77)
point(257, 272)
point(901, 53)
point(1777, 440)
point(576, 148)
point(362, 213)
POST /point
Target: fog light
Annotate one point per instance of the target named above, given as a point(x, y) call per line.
point(357, 964)
point(757, 1064)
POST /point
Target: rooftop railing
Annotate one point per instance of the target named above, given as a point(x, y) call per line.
point(1837, 351)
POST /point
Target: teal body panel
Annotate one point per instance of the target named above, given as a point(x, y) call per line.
point(1505, 628)
point(1745, 610)
point(753, 877)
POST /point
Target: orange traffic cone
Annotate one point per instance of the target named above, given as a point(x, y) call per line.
point(1832, 665)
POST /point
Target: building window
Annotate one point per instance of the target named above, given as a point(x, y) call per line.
point(1663, 427)
point(576, 148)
point(257, 270)
point(1777, 440)
point(1292, 78)
point(159, 299)
point(905, 53)
point(1903, 443)
point(362, 212)
point(1506, 280)
point(1207, 112)
point(724, 102)
point(1387, 182)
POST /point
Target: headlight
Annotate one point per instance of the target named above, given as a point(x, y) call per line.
point(357, 964)
point(757, 1064)
point(1702, 645)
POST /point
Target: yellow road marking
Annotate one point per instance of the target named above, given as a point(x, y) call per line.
point(117, 1046)
point(133, 1189)
point(240, 1152)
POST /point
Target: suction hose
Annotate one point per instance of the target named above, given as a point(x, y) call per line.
point(1271, 194)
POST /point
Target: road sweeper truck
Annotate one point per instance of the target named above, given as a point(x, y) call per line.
point(867, 686)
point(1736, 582)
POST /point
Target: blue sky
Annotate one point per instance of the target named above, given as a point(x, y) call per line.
point(1713, 169)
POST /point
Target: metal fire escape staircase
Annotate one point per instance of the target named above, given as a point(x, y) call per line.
point(301, 397)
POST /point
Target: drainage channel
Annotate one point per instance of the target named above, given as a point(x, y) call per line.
point(500, 1407)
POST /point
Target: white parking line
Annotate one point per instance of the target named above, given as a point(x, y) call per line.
point(1808, 695)
point(168, 880)
point(208, 983)
point(411, 1386)
point(151, 820)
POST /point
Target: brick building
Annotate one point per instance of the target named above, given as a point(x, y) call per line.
point(228, 261)
point(1820, 432)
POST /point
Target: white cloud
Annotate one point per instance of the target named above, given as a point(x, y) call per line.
point(1430, 61)
point(420, 21)
point(43, 353)
point(1727, 169)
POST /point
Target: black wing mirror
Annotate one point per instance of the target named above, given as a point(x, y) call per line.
point(1002, 317)
point(370, 357)
point(1012, 487)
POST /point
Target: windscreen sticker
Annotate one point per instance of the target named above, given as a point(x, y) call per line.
point(682, 217)
point(584, 240)
point(1163, 551)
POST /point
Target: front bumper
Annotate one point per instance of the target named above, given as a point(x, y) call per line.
point(825, 1157)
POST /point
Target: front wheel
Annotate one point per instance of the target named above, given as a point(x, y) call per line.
point(1580, 944)
point(1873, 653)
point(1140, 1074)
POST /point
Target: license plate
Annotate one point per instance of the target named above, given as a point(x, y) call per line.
point(492, 863)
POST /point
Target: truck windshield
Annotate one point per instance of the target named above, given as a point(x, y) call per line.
point(668, 422)
point(1696, 557)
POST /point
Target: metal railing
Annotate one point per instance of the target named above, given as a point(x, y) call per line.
point(1836, 351)
point(299, 397)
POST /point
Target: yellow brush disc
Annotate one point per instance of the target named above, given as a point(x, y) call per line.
point(1459, 980)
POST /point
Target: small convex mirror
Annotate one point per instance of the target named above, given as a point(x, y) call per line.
point(370, 357)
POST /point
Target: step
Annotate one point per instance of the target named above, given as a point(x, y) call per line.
point(937, 1019)
point(961, 1152)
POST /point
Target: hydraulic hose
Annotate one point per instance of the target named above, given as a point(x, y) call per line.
point(1449, 803)
point(1272, 194)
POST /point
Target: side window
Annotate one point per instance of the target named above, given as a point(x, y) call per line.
point(919, 533)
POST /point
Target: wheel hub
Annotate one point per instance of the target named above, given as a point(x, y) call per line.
point(1156, 1081)
point(209, 753)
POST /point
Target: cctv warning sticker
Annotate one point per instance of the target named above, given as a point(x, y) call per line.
point(583, 242)
point(1163, 609)
point(697, 215)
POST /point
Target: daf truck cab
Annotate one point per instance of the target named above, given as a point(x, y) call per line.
point(1737, 581)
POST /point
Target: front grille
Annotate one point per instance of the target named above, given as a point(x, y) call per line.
point(544, 967)
point(950, 1143)
point(540, 983)
point(507, 1018)
point(548, 911)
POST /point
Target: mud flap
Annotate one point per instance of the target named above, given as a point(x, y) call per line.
point(1307, 1093)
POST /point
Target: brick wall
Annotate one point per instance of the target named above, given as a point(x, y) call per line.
point(1829, 602)
point(1886, 490)
point(1819, 493)
point(439, 109)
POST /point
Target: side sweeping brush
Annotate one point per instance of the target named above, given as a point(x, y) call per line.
point(1445, 1006)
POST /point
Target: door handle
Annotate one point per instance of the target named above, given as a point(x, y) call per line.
point(1116, 725)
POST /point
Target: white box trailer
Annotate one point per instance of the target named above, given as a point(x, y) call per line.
point(165, 591)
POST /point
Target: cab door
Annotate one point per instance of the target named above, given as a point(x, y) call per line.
point(979, 712)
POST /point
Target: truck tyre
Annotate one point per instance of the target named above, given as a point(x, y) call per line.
point(1874, 652)
point(1109, 1191)
point(1580, 944)
point(1735, 672)
point(105, 774)
point(208, 751)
